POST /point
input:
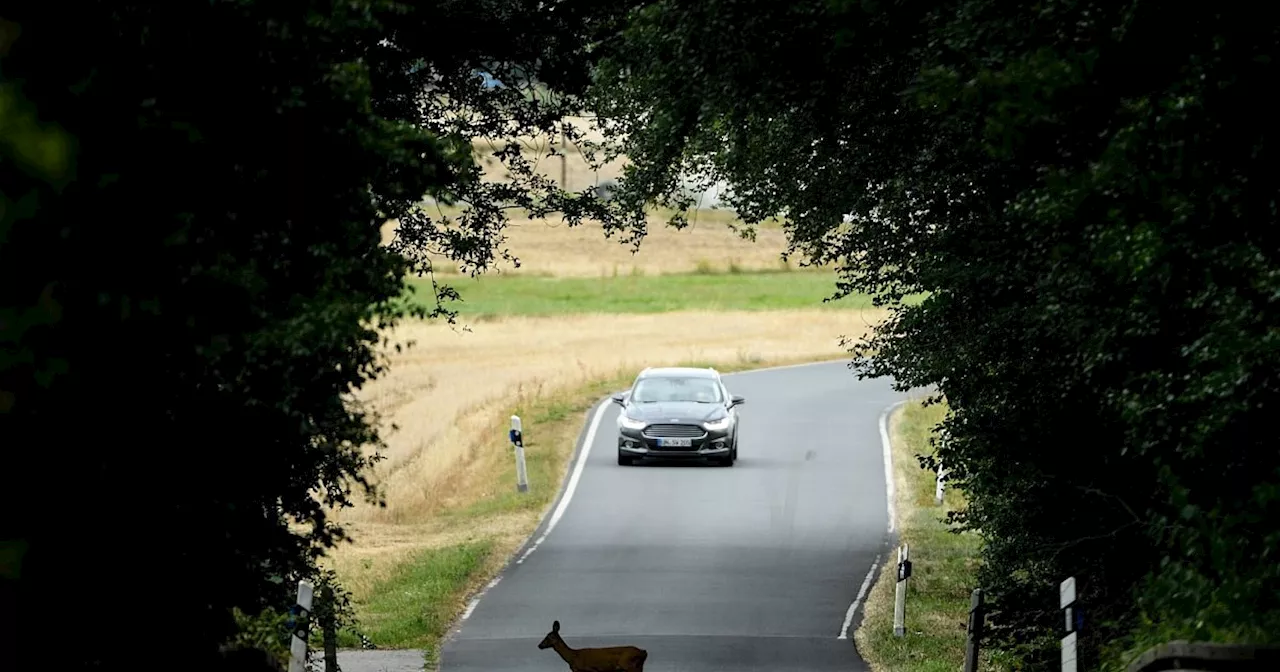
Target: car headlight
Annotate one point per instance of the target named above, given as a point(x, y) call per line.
point(630, 423)
point(717, 425)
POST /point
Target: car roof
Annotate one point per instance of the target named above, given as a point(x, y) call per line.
point(678, 372)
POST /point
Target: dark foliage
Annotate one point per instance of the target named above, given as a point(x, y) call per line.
point(192, 284)
point(1081, 187)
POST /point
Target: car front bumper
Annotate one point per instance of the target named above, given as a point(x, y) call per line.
point(710, 444)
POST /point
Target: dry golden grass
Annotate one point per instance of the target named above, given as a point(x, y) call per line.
point(572, 164)
point(551, 248)
point(451, 394)
point(707, 245)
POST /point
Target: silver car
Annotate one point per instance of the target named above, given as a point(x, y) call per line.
point(678, 412)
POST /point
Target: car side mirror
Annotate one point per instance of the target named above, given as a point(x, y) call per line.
point(620, 399)
point(736, 400)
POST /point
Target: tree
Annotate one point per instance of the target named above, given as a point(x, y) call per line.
point(1079, 189)
point(192, 284)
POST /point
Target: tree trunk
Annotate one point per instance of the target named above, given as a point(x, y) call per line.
point(330, 648)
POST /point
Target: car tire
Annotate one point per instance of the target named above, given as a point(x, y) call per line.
point(728, 461)
point(624, 460)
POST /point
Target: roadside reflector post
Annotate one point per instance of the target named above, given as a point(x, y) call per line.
point(300, 627)
point(900, 594)
point(517, 441)
point(1074, 619)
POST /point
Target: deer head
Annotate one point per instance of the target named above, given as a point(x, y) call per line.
point(552, 637)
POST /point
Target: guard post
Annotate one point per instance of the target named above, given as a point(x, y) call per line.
point(517, 441)
point(900, 592)
point(299, 625)
point(1074, 619)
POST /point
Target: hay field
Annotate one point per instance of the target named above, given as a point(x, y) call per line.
point(554, 249)
point(550, 247)
point(451, 394)
point(452, 516)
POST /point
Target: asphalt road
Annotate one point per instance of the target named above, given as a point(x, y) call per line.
point(752, 567)
point(748, 568)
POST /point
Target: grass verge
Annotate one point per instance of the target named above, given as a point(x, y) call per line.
point(412, 608)
point(944, 565)
point(411, 602)
point(718, 291)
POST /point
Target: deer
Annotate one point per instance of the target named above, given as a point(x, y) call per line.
point(606, 659)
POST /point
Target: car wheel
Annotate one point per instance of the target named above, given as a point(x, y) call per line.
point(728, 461)
point(624, 460)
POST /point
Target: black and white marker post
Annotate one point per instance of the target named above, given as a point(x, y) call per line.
point(517, 441)
point(900, 592)
point(300, 627)
point(1074, 619)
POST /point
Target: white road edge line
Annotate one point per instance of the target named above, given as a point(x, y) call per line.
point(555, 516)
point(573, 480)
point(471, 606)
point(862, 592)
point(887, 448)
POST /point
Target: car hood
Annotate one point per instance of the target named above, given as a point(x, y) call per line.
point(674, 411)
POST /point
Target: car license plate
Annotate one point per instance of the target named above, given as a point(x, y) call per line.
point(675, 443)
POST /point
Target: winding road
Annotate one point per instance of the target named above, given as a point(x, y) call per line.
point(760, 566)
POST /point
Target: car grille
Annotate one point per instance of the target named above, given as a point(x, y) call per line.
point(674, 431)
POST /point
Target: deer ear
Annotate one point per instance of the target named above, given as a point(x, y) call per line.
point(555, 627)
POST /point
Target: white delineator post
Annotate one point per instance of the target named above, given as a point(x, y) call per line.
point(301, 627)
point(941, 476)
point(517, 441)
point(900, 592)
point(1067, 602)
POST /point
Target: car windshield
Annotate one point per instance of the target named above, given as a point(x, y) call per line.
point(702, 390)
